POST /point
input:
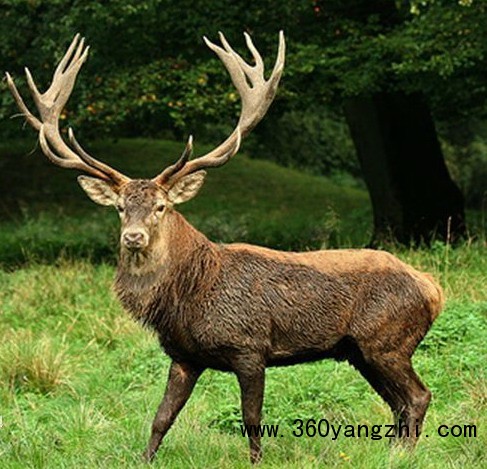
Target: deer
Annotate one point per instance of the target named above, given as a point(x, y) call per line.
point(238, 307)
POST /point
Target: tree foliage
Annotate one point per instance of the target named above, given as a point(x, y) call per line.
point(149, 69)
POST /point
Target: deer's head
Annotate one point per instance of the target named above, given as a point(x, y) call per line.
point(144, 203)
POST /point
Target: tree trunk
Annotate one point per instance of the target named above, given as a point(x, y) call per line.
point(413, 197)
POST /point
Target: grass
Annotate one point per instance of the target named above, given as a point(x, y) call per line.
point(80, 382)
point(43, 206)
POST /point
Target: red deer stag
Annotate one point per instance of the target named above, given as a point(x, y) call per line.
point(238, 307)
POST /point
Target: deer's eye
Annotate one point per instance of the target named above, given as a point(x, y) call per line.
point(160, 208)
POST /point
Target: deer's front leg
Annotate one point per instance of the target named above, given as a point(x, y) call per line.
point(251, 377)
point(182, 378)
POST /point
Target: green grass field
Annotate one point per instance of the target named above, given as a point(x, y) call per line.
point(80, 382)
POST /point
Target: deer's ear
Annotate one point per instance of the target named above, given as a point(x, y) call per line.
point(98, 191)
point(186, 188)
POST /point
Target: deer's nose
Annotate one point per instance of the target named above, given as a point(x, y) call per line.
point(134, 239)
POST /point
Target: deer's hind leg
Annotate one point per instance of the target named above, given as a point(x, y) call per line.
point(394, 379)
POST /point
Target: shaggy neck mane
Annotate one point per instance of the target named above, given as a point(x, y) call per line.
point(180, 264)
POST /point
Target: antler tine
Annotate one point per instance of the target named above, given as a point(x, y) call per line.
point(113, 174)
point(29, 117)
point(64, 162)
point(64, 61)
point(256, 94)
point(174, 168)
point(259, 63)
point(278, 66)
point(50, 105)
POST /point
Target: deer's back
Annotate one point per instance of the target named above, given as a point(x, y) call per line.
point(297, 306)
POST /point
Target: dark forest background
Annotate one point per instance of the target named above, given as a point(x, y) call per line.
point(392, 93)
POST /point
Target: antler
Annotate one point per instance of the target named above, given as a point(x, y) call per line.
point(256, 94)
point(50, 105)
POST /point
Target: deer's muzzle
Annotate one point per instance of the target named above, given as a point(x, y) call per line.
point(135, 240)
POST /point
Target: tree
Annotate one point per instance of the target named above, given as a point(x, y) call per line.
point(395, 68)
point(413, 197)
point(390, 65)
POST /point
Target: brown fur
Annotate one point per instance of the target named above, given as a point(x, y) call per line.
point(242, 308)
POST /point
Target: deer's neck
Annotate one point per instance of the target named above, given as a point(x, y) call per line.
point(181, 263)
